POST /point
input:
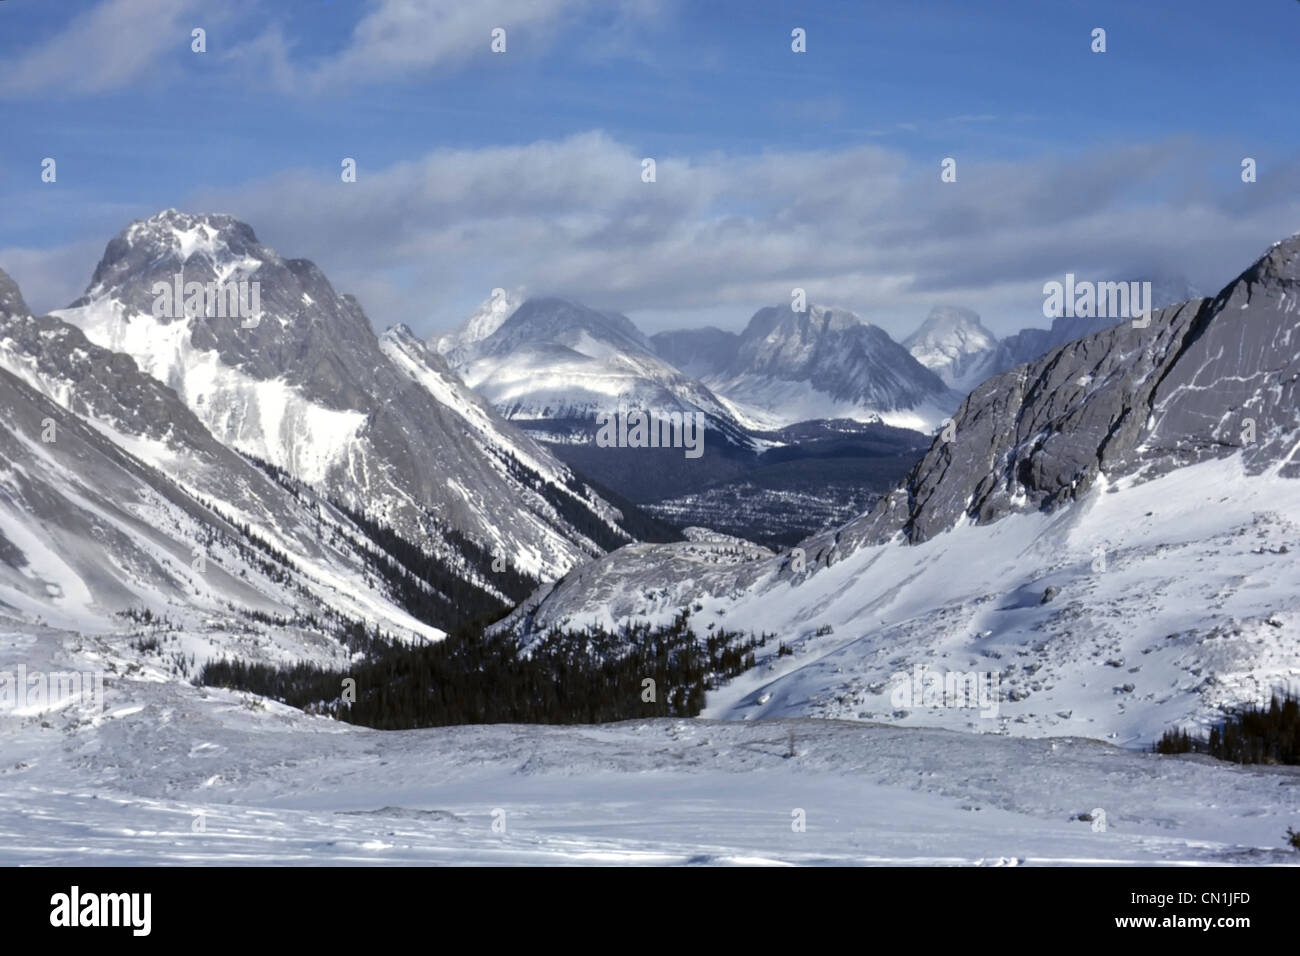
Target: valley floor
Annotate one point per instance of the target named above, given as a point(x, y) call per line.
point(170, 774)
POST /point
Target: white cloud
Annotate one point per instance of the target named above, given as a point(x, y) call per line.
point(106, 48)
point(719, 235)
point(118, 43)
point(423, 241)
point(404, 38)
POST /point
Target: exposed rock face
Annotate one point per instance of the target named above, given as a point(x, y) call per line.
point(1235, 383)
point(1037, 436)
point(1205, 379)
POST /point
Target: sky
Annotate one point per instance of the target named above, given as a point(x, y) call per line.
point(774, 169)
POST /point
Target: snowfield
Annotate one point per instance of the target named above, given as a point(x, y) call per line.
point(1172, 598)
point(171, 774)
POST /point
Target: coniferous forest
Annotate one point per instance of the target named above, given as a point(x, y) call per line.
point(585, 676)
point(1249, 735)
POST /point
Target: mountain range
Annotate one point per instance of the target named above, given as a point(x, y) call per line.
point(377, 422)
point(955, 345)
point(290, 465)
point(552, 367)
point(279, 489)
point(1108, 531)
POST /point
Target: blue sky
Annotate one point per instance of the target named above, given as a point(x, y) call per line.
point(775, 169)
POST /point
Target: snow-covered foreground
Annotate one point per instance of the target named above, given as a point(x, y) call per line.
point(169, 773)
point(1192, 608)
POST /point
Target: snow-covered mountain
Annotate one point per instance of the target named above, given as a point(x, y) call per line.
point(556, 361)
point(953, 344)
point(1108, 534)
point(482, 322)
point(308, 387)
point(114, 499)
point(558, 369)
point(787, 367)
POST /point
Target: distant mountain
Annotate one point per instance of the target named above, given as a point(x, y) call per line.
point(553, 366)
point(787, 367)
point(553, 360)
point(307, 386)
point(953, 343)
point(697, 352)
point(955, 346)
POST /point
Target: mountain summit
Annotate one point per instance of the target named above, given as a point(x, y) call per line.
point(552, 360)
point(953, 344)
point(822, 363)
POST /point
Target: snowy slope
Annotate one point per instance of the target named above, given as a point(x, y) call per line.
point(89, 532)
point(1170, 599)
point(168, 773)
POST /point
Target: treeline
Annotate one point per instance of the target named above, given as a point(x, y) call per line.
point(637, 523)
point(423, 583)
point(586, 676)
point(640, 524)
point(1249, 735)
point(426, 587)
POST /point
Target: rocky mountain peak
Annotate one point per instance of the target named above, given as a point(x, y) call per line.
point(482, 322)
point(11, 299)
point(555, 321)
point(955, 322)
